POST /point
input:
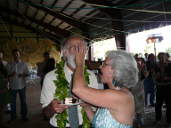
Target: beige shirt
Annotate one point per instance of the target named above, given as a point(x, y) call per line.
point(48, 91)
point(16, 82)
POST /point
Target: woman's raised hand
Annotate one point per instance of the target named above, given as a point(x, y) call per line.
point(80, 54)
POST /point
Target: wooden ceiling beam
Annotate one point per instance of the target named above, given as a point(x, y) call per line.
point(34, 16)
point(58, 31)
point(51, 36)
point(64, 17)
point(53, 4)
point(62, 10)
point(66, 5)
point(88, 14)
point(77, 10)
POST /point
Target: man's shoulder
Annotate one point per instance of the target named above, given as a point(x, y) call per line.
point(51, 73)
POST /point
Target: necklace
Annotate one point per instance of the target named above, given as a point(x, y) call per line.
point(62, 91)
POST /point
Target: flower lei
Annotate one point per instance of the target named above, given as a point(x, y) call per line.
point(62, 91)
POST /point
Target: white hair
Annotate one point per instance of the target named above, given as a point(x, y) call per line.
point(125, 66)
point(65, 42)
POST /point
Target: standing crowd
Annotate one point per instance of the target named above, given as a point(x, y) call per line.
point(70, 94)
point(155, 77)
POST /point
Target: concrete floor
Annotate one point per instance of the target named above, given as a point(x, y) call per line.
point(34, 110)
point(36, 119)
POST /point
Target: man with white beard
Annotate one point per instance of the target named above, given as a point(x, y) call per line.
point(52, 106)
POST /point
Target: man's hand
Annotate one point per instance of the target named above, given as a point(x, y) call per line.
point(57, 106)
point(54, 107)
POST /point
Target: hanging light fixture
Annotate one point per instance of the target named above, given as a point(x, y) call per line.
point(154, 38)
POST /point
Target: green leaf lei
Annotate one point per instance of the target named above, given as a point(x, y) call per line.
point(62, 91)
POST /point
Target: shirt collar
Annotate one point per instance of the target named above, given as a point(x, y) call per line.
point(68, 73)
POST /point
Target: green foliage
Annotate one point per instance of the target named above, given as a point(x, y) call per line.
point(86, 122)
point(62, 91)
point(62, 119)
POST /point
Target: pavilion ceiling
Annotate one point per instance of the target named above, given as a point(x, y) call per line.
point(57, 19)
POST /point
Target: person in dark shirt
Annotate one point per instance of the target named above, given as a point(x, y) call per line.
point(4, 93)
point(41, 67)
point(163, 82)
point(50, 65)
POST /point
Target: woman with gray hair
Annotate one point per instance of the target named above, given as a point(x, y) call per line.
point(116, 104)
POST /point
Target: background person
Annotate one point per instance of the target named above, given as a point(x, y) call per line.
point(4, 92)
point(17, 73)
point(4, 64)
point(41, 67)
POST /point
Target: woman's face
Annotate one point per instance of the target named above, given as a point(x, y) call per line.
point(106, 71)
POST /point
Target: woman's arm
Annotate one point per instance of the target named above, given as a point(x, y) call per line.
point(102, 98)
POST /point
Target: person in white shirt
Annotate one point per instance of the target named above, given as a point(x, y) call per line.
point(17, 73)
point(51, 106)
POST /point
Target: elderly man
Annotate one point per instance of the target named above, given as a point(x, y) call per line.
point(52, 106)
point(17, 73)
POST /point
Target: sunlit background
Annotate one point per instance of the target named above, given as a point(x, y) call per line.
point(99, 48)
point(136, 43)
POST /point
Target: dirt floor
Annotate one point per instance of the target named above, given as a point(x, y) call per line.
point(36, 119)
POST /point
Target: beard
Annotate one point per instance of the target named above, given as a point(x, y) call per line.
point(71, 61)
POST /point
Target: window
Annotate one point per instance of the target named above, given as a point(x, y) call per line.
point(99, 48)
point(137, 43)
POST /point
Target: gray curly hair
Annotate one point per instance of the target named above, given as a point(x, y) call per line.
point(126, 71)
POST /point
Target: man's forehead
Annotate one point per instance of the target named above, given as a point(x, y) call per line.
point(75, 40)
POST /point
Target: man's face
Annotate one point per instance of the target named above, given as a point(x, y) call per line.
point(16, 55)
point(71, 50)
